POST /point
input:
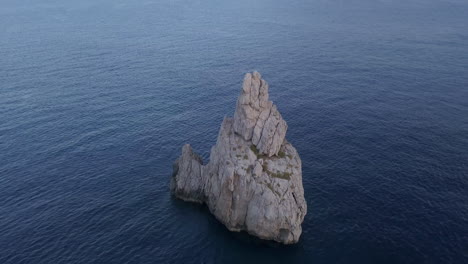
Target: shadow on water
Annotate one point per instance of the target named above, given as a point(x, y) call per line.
point(199, 213)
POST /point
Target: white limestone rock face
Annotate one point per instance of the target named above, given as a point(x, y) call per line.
point(256, 118)
point(253, 181)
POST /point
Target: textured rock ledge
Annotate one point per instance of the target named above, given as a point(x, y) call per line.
point(253, 181)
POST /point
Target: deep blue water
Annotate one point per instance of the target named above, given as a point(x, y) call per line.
point(97, 98)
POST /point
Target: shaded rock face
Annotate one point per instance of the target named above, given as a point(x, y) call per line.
point(253, 181)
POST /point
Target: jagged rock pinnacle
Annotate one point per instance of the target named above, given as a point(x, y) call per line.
point(257, 119)
point(253, 181)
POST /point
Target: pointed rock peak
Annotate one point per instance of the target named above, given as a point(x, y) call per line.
point(241, 185)
point(254, 91)
point(256, 118)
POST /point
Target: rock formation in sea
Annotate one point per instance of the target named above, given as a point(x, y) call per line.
point(253, 181)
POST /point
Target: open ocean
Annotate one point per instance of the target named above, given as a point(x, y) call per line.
point(97, 98)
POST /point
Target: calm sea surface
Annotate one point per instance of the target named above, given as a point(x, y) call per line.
point(97, 98)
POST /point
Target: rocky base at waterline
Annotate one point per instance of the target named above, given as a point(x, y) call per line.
point(253, 181)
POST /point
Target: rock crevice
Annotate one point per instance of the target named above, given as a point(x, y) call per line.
point(253, 181)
